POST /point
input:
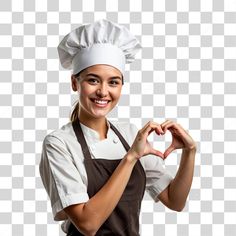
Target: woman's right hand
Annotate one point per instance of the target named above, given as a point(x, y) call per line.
point(141, 146)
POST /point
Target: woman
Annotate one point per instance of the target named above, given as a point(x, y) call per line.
point(95, 172)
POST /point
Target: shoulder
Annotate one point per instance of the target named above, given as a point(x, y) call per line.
point(60, 144)
point(60, 136)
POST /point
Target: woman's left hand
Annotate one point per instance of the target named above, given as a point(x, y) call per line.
point(180, 138)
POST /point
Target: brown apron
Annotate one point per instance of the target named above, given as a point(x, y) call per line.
point(124, 220)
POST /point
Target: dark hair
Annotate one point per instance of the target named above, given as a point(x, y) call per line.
point(75, 112)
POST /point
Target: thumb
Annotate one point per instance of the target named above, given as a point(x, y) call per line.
point(157, 153)
point(169, 150)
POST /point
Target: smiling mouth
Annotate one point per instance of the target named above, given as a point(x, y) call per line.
point(100, 101)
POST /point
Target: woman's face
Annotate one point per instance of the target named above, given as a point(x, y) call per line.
point(99, 88)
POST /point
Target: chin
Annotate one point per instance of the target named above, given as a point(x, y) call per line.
point(100, 115)
point(101, 112)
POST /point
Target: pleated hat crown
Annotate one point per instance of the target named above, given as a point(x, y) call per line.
point(102, 42)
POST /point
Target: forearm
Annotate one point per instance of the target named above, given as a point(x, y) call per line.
point(180, 186)
point(101, 205)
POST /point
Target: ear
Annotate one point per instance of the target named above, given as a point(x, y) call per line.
point(73, 83)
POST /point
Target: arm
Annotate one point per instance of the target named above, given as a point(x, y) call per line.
point(89, 216)
point(175, 195)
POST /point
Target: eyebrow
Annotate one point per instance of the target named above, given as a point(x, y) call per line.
point(97, 76)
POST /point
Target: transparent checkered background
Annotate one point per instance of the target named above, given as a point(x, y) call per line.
point(185, 72)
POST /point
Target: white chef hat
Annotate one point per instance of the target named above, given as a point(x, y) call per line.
point(102, 42)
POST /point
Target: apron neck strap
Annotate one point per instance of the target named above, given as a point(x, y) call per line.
point(123, 141)
point(81, 139)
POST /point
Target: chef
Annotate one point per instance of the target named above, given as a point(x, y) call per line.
point(96, 171)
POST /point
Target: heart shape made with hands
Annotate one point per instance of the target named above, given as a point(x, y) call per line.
point(161, 143)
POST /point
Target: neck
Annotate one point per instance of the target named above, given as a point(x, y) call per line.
point(97, 124)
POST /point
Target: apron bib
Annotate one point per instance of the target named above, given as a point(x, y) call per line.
point(124, 220)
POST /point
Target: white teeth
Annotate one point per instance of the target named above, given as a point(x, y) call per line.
point(100, 102)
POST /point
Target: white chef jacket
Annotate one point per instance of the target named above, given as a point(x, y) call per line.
point(63, 172)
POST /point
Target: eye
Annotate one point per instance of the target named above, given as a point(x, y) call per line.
point(114, 82)
point(93, 81)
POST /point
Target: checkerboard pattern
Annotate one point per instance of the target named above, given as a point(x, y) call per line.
point(186, 72)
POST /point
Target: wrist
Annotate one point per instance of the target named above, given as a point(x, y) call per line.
point(192, 149)
point(131, 157)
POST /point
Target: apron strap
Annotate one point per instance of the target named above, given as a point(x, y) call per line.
point(80, 137)
point(123, 141)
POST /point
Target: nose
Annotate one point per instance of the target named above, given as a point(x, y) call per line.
point(102, 91)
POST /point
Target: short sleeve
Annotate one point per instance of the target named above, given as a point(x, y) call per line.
point(157, 177)
point(60, 177)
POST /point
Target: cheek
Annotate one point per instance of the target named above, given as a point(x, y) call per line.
point(117, 93)
point(85, 91)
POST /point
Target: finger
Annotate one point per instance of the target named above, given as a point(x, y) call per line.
point(168, 151)
point(164, 124)
point(148, 130)
point(150, 127)
point(158, 129)
point(165, 121)
point(169, 125)
point(151, 123)
point(148, 123)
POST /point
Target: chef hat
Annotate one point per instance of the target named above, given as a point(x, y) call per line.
point(102, 42)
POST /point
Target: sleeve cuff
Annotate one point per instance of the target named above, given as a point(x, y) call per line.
point(156, 188)
point(57, 208)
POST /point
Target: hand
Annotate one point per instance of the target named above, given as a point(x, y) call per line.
point(180, 138)
point(141, 146)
